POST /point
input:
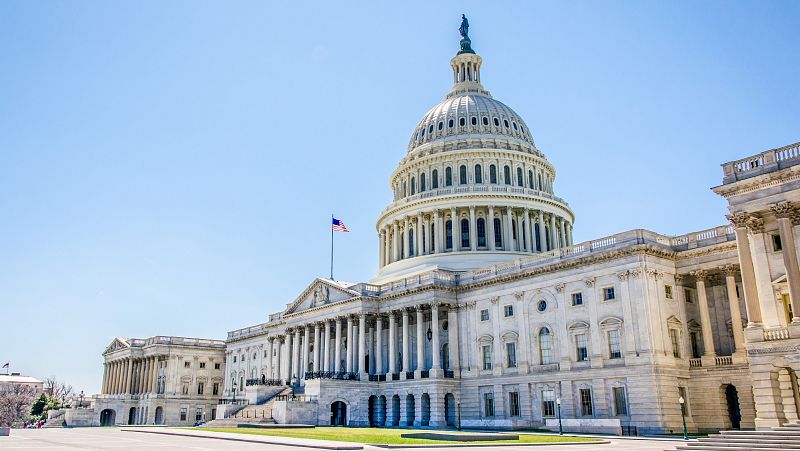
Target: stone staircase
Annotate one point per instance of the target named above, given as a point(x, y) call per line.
point(252, 414)
point(782, 438)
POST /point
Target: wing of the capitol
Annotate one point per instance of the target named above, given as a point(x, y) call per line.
point(485, 313)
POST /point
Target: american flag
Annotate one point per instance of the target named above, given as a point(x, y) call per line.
point(339, 226)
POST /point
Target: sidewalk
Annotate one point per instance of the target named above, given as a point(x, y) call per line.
point(249, 438)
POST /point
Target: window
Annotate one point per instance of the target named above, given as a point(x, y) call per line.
point(485, 120)
point(488, 404)
point(496, 122)
point(668, 291)
point(545, 346)
point(586, 402)
point(450, 123)
point(404, 188)
point(462, 175)
point(505, 122)
point(202, 365)
point(487, 357)
point(492, 174)
point(448, 177)
point(413, 185)
point(620, 403)
point(462, 121)
point(474, 120)
point(184, 412)
point(198, 414)
point(581, 348)
point(530, 179)
point(215, 389)
point(614, 351)
point(508, 310)
point(187, 364)
point(548, 403)
point(511, 355)
point(776, 243)
point(411, 242)
point(465, 233)
point(422, 183)
point(676, 344)
point(217, 366)
point(687, 294)
point(507, 175)
point(608, 294)
point(478, 174)
point(448, 234)
point(695, 345)
point(201, 387)
point(541, 305)
point(513, 404)
point(498, 233)
point(485, 315)
point(577, 298)
point(514, 124)
point(441, 125)
point(520, 180)
point(481, 225)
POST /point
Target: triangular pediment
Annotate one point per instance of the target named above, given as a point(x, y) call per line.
point(116, 345)
point(321, 292)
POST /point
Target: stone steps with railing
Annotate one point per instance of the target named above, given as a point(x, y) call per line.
point(776, 439)
point(252, 413)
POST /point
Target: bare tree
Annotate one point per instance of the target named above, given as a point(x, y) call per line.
point(57, 389)
point(15, 404)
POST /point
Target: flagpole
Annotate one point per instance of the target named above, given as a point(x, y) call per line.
point(331, 226)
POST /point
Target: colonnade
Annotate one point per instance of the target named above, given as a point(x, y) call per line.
point(701, 277)
point(436, 232)
point(130, 375)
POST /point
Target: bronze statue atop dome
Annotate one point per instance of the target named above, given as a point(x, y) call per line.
point(463, 30)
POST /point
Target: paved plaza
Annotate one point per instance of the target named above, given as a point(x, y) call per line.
point(120, 439)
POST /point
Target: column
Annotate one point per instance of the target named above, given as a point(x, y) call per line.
point(563, 235)
point(473, 236)
point(784, 211)
point(105, 378)
point(337, 356)
point(542, 235)
point(569, 235)
point(452, 339)
point(426, 236)
point(417, 237)
point(454, 228)
point(276, 374)
point(392, 344)
point(129, 376)
point(395, 244)
point(509, 231)
point(751, 302)
point(405, 240)
point(349, 352)
point(379, 345)
point(520, 241)
point(436, 364)
point(270, 349)
point(736, 315)
point(144, 374)
point(420, 342)
point(326, 342)
point(437, 242)
point(552, 231)
point(289, 370)
point(406, 346)
point(362, 344)
point(114, 378)
point(382, 249)
point(304, 366)
point(531, 246)
point(705, 318)
point(490, 226)
point(316, 348)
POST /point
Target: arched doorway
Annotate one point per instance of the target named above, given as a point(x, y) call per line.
point(338, 414)
point(132, 416)
point(426, 410)
point(159, 415)
point(107, 417)
point(732, 399)
point(410, 410)
point(371, 411)
point(450, 409)
point(395, 410)
point(382, 411)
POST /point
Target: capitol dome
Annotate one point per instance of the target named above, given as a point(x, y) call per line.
point(472, 190)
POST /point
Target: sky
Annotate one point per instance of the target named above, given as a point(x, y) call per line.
point(170, 168)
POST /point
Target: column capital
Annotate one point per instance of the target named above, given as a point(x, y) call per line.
point(701, 275)
point(784, 209)
point(730, 270)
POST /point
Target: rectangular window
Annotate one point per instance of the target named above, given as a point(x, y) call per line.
point(200, 388)
point(485, 315)
point(487, 357)
point(577, 298)
point(448, 234)
point(187, 364)
point(676, 344)
point(464, 234)
point(687, 295)
point(614, 351)
point(511, 355)
point(586, 402)
point(234, 359)
point(668, 291)
point(548, 403)
point(202, 365)
point(513, 404)
point(488, 404)
point(695, 345)
point(777, 246)
point(215, 389)
point(508, 310)
point(216, 366)
point(184, 412)
point(608, 294)
point(581, 348)
point(198, 414)
point(620, 403)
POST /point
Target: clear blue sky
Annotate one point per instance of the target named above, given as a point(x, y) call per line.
point(171, 167)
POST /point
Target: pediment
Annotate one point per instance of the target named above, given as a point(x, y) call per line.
point(116, 345)
point(321, 292)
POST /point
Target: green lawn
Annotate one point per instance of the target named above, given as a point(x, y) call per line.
point(373, 436)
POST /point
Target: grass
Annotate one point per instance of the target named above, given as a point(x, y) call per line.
point(372, 436)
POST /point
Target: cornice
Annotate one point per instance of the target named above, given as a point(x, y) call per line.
point(758, 182)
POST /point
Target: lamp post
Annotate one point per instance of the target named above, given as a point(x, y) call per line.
point(294, 382)
point(683, 416)
point(234, 392)
point(560, 428)
point(80, 404)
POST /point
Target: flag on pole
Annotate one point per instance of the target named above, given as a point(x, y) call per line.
point(338, 226)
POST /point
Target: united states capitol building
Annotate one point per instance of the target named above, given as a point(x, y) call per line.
point(485, 313)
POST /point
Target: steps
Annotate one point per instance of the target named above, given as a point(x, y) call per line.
point(782, 438)
point(252, 414)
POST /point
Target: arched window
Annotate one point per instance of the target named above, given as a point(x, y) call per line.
point(462, 175)
point(402, 248)
point(450, 123)
point(545, 346)
point(464, 233)
point(462, 122)
point(411, 243)
point(496, 122)
point(530, 179)
point(492, 174)
point(413, 186)
point(540, 182)
point(498, 234)
point(478, 174)
point(435, 179)
point(505, 122)
point(430, 129)
point(474, 120)
point(448, 234)
point(481, 232)
point(485, 120)
point(404, 188)
point(448, 177)
point(536, 237)
point(441, 125)
point(432, 228)
point(520, 178)
point(422, 186)
point(507, 175)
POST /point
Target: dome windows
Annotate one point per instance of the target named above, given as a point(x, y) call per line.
point(430, 129)
point(514, 124)
point(448, 177)
point(478, 174)
point(435, 179)
point(505, 122)
point(450, 123)
point(492, 173)
point(485, 120)
point(441, 125)
point(462, 175)
point(520, 179)
point(496, 122)
point(506, 175)
point(422, 180)
point(474, 120)
point(462, 121)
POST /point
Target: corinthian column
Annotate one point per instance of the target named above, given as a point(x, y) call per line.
point(316, 347)
point(362, 346)
point(473, 236)
point(420, 342)
point(436, 364)
point(542, 236)
point(705, 318)
point(349, 357)
point(392, 344)
point(379, 345)
point(406, 241)
point(437, 240)
point(751, 301)
point(785, 212)
point(406, 345)
point(337, 356)
point(490, 226)
point(530, 246)
point(509, 231)
point(736, 315)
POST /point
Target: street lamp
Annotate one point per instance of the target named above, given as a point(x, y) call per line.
point(683, 416)
point(560, 428)
point(80, 404)
point(234, 392)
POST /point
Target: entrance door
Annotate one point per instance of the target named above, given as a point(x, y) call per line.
point(732, 397)
point(107, 417)
point(338, 414)
point(132, 416)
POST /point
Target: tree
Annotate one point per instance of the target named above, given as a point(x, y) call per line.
point(38, 407)
point(15, 404)
point(57, 390)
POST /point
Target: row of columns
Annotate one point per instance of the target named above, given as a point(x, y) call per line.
point(393, 247)
point(701, 276)
point(130, 375)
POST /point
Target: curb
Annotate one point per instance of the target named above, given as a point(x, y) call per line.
point(248, 440)
point(483, 445)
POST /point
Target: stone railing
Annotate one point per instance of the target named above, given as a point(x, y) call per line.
point(781, 333)
point(182, 341)
point(703, 238)
point(724, 360)
point(474, 188)
point(761, 163)
point(248, 331)
point(695, 363)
